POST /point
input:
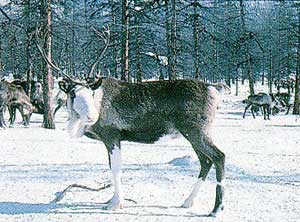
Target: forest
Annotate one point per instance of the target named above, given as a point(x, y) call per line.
point(213, 41)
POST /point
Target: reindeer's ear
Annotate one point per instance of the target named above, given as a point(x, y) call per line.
point(95, 85)
point(63, 86)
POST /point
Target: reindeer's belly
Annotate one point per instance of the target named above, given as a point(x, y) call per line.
point(148, 135)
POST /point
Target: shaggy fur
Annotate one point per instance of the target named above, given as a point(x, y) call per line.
point(15, 97)
point(143, 113)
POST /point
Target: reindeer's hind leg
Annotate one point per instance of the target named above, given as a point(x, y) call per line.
point(206, 164)
point(12, 115)
point(267, 111)
point(207, 153)
point(218, 159)
point(25, 117)
point(2, 122)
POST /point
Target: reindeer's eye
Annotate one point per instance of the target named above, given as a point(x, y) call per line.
point(72, 93)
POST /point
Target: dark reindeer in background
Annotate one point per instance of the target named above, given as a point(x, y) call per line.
point(288, 84)
point(36, 100)
point(14, 97)
point(284, 100)
point(13, 108)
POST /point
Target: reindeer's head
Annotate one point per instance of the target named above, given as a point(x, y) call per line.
point(80, 101)
point(80, 105)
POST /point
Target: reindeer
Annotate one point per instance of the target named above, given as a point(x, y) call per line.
point(36, 87)
point(284, 100)
point(113, 111)
point(14, 97)
point(3, 99)
point(261, 100)
point(143, 113)
point(58, 100)
point(285, 84)
point(37, 99)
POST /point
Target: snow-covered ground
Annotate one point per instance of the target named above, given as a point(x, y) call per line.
point(262, 173)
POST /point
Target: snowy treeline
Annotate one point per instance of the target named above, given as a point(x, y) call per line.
point(210, 40)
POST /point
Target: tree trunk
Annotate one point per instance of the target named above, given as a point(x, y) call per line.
point(86, 33)
point(247, 50)
point(237, 81)
point(289, 56)
point(72, 58)
point(196, 39)
point(280, 52)
point(243, 75)
point(138, 53)
point(263, 71)
point(250, 74)
point(48, 122)
point(1, 64)
point(270, 74)
point(168, 36)
point(29, 65)
point(12, 54)
point(113, 39)
point(297, 91)
point(125, 41)
point(173, 42)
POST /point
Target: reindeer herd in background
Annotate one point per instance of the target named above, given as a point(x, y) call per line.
point(13, 96)
point(271, 103)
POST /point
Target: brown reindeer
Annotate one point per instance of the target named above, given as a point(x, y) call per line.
point(14, 97)
point(284, 100)
point(37, 99)
point(36, 89)
point(122, 111)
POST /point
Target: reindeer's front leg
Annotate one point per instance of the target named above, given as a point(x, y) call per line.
point(115, 163)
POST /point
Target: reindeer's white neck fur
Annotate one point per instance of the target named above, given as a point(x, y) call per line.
point(82, 111)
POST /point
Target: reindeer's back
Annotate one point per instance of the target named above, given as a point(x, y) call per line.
point(154, 105)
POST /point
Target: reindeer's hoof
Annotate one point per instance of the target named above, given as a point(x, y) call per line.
point(114, 203)
point(187, 203)
point(114, 206)
point(216, 211)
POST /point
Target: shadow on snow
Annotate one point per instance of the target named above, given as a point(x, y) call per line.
point(15, 208)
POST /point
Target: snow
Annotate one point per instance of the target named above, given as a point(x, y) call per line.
point(182, 161)
point(262, 172)
point(3, 2)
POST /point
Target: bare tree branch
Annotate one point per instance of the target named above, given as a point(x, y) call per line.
point(60, 195)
